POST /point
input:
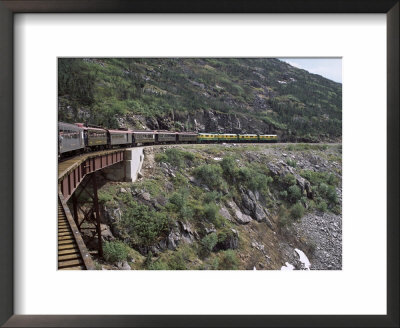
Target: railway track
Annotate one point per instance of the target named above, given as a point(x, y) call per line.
point(69, 255)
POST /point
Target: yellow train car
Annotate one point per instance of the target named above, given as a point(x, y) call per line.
point(228, 137)
point(268, 138)
point(207, 137)
point(248, 138)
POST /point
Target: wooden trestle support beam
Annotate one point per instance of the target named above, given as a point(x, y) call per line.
point(91, 213)
point(73, 173)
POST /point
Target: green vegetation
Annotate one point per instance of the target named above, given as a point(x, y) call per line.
point(283, 216)
point(287, 180)
point(210, 175)
point(291, 163)
point(176, 260)
point(305, 146)
point(294, 193)
point(322, 205)
point(104, 197)
point(175, 157)
point(188, 221)
point(254, 176)
point(305, 106)
point(228, 260)
point(207, 244)
point(210, 212)
point(115, 251)
point(179, 201)
point(297, 211)
point(324, 189)
point(142, 225)
point(316, 178)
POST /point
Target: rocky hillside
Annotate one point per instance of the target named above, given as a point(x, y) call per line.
point(201, 94)
point(226, 207)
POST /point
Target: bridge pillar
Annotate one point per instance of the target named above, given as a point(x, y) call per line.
point(91, 211)
point(75, 209)
point(97, 214)
point(128, 169)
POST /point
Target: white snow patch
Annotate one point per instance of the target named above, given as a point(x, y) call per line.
point(303, 259)
point(287, 267)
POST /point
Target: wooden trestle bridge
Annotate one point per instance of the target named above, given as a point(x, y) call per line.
point(80, 171)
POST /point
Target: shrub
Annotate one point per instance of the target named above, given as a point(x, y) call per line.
point(161, 157)
point(328, 192)
point(337, 209)
point(142, 225)
point(208, 243)
point(322, 206)
point(153, 186)
point(222, 235)
point(323, 189)
point(158, 265)
point(288, 180)
point(291, 163)
point(181, 258)
point(175, 157)
point(297, 211)
point(229, 168)
point(332, 180)
point(294, 193)
point(253, 179)
point(283, 216)
point(179, 200)
point(212, 196)
point(214, 264)
point(210, 175)
point(210, 212)
point(148, 259)
point(180, 180)
point(177, 261)
point(104, 197)
point(284, 194)
point(115, 251)
point(244, 174)
point(316, 178)
point(331, 194)
point(228, 260)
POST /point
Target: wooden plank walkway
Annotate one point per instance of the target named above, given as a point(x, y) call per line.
point(69, 255)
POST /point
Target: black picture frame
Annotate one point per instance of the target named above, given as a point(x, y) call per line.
point(7, 10)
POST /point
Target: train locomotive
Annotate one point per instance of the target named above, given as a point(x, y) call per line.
point(79, 138)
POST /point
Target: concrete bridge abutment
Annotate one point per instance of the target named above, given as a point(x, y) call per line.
point(127, 170)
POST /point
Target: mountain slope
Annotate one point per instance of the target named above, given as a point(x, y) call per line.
point(202, 94)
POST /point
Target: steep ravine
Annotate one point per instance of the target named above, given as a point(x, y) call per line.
point(226, 207)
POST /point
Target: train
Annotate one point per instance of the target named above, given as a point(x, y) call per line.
point(76, 138)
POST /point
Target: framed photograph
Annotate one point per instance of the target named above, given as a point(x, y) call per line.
point(263, 137)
